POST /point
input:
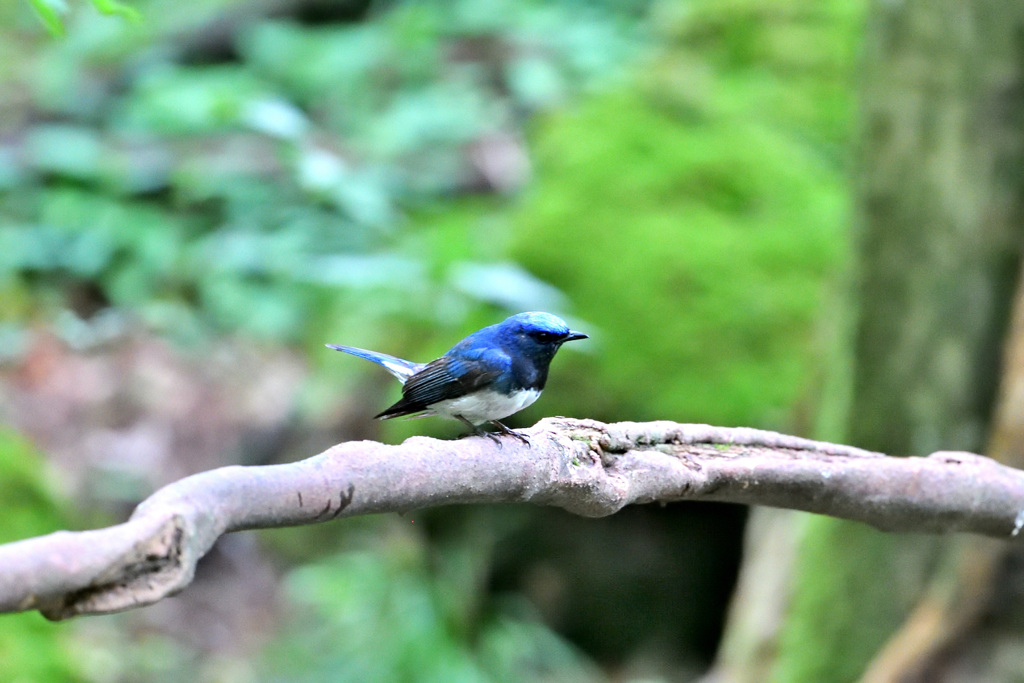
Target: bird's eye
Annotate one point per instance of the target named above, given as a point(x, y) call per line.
point(545, 337)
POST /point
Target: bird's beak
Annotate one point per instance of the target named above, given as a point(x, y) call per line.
point(574, 335)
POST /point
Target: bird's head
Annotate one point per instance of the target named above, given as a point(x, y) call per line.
point(538, 334)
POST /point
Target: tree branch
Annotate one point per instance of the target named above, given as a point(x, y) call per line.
point(586, 467)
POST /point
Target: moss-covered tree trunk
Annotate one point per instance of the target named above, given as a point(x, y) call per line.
point(941, 183)
point(940, 199)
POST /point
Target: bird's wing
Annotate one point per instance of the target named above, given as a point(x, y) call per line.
point(399, 367)
point(449, 377)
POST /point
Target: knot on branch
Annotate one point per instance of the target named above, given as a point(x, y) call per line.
point(148, 568)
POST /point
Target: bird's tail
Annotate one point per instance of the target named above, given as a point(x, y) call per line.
point(399, 367)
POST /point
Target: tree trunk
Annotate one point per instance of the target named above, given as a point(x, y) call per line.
point(941, 202)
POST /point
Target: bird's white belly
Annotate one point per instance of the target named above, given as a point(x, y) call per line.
point(486, 405)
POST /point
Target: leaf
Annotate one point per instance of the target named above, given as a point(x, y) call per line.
point(115, 8)
point(51, 13)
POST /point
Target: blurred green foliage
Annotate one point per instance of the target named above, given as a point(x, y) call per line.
point(51, 12)
point(386, 615)
point(242, 195)
point(213, 170)
point(31, 648)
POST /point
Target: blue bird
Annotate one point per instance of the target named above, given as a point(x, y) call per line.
point(489, 375)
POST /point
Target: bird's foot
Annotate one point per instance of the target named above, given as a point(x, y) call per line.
point(511, 432)
point(476, 431)
point(493, 436)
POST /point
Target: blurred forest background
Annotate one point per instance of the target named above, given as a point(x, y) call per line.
point(792, 214)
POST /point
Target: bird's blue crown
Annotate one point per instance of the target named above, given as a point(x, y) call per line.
point(537, 321)
point(530, 333)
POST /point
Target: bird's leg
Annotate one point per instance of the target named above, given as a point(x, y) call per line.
point(511, 432)
point(477, 431)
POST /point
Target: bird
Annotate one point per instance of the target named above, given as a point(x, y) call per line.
point(491, 374)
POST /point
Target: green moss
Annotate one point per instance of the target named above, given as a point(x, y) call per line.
point(842, 611)
point(31, 648)
point(699, 249)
